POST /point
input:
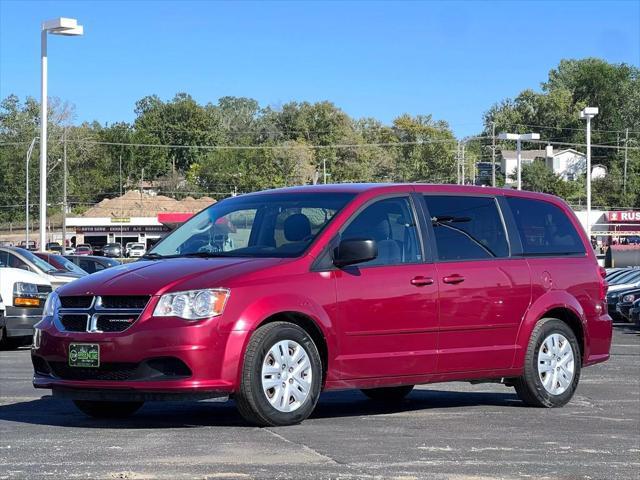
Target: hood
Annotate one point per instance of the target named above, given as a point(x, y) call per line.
point(155, 277)
point(12, 275)
point(624, 286)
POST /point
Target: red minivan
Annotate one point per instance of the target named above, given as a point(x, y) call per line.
point(275, 296)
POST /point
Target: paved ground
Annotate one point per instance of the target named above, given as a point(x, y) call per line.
point(453, 431)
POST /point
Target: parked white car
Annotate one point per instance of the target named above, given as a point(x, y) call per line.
point(22, 259)
point(137, 250)
point(22, 298)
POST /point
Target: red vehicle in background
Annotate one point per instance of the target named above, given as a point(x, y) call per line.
point(299, 290)
point(84, 249)
point(60, 263)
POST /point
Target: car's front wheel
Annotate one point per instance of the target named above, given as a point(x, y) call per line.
point(100, 409)
point(281, 377)
point(552, 365)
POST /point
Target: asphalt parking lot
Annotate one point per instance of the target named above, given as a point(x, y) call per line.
point(453, 431)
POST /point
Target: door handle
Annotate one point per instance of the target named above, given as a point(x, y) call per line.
point(421, 281)
point(453, 279)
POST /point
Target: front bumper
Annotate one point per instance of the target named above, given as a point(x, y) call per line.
point(19, 322)
point(129, 359)
point(623, 310)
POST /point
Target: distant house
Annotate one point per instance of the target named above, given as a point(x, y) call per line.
point(509, 161)
point(569, 164)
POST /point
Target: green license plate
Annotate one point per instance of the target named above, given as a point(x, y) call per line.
point(84, 355)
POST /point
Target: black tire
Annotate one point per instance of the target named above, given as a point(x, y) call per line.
point(529, 386)
point(251, 400)
point(99, 409)
point(388, 394)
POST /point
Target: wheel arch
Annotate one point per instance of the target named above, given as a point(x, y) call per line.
point(555, 304)
point(309, 325)
point(569, 317)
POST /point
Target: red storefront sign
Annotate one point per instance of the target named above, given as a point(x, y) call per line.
point(623, 216)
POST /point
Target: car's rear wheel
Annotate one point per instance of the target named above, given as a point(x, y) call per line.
point(388, 394)
point(281, 376)
point(552, 365)
point(100, 409)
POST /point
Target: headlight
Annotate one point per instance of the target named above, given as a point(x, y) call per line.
point(25, 295)
point(52, 305)
point(23, 288)
point(193, 304)
point(628, 298)
point(37, 336)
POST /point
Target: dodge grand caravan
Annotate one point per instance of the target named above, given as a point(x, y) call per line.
point(275, 296)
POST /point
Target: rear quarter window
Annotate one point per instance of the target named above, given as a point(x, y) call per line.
point(544, 228)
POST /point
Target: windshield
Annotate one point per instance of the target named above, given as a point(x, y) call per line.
point(69, 265)
point(266, 225)
point(38, 262)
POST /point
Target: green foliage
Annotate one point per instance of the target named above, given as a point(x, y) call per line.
point(554, 113)
point(249, 147)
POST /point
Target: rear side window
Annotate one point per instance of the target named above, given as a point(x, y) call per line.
point(467, 228)
point(544, 228)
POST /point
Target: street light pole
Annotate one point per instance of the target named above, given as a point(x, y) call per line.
point(43, 139)
point(26, 217)
point(518, 137)
point(493, 154)
point(64, 193)
point(519, 162)
point(57, 26)
point(587, 114)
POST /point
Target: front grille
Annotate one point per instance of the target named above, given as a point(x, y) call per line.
point(111, 313)
point(74, 323)
point(76, 302)
point(162, 368)
point(133, 301)
point(106, 371)
point(115, 323)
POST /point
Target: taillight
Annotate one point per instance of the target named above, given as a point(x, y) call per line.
point(604, 286)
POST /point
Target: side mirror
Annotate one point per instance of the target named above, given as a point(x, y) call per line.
point(350, 252)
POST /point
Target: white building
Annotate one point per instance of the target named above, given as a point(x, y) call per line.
point(569, 164)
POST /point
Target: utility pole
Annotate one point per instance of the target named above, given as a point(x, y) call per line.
point(463, 163)
point(458, 163)
point(121, 205)
point(626, 151)
point(324, 169)
point(64, 191)
point(493, 154)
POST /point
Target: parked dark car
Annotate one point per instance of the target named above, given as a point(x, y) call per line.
point(53, 247)
point(112, 250)
point(327, 287)
point(61, 263)
point(626, 298)
point(31, 245)
point(634, 313)
point(92, 264)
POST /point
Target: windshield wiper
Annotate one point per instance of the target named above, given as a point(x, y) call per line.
point(205, 254)
point(155, 256)
point(440, 221)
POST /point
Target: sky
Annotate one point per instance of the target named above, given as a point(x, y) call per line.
point(452, 60)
